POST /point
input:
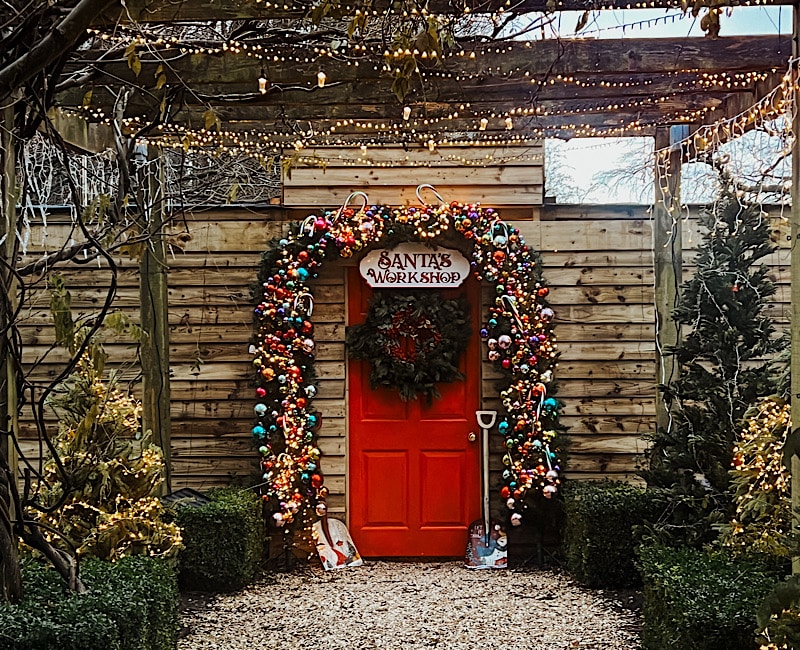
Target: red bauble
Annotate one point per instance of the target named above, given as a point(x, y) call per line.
point(317, 481)
point(505, 492)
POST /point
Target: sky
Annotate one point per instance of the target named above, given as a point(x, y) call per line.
point(581, 161)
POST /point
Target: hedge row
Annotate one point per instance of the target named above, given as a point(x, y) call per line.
point(131, 604)
point(702, 601)
point(602, 531)
point(224, 540)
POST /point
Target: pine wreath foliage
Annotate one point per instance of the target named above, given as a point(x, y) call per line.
point(436, 333)
point(725, 364)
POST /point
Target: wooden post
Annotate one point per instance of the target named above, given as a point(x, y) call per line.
point(154, 315)
point(668, 261)
point(795, 277)
point(8, 229)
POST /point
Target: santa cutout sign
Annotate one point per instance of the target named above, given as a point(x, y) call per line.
point(335, 547)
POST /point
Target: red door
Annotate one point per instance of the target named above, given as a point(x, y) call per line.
point(414, 475)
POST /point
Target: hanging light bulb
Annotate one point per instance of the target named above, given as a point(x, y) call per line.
point(431, 145)
point(406, 113)
point(509, 123)
point(262, 83)
point(363, 150)
point(321, 79)
point(484, 124)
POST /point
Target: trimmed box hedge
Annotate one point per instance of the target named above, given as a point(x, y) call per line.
point(701, 601)
point(602, 531)
point(131, 604)
point(224, 540)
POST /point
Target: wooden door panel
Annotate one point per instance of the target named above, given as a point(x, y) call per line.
point(386, 479)
point(381, 404)
point(442, 475)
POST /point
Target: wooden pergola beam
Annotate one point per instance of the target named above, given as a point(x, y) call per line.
point(650, 68)
point(237, 72)
point(169, 11)
point(373, 101)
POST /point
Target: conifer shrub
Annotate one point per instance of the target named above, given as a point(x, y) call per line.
point(725, 362)
point(702, 601)
point(224, 540)
point(603, 529)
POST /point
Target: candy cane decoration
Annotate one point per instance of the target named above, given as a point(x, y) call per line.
point(298, 302)
point(347, 202)
point(426, 186)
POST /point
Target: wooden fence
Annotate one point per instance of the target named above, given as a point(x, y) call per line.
point(598, 261)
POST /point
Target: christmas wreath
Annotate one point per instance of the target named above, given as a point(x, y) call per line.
point(412, 341)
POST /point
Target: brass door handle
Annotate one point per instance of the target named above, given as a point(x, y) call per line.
point(472, 437)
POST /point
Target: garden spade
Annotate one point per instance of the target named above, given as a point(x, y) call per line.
point(486, 543)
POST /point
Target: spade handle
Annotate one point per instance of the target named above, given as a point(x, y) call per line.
point(486, 418)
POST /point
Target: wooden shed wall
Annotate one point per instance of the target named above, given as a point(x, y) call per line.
point(391, 174)
point(598, 261)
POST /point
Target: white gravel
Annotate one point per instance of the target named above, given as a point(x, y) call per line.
point(400, 605)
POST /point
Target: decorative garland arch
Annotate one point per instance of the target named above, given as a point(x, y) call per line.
point(518, 335)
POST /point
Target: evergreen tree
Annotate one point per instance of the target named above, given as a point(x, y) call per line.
point(98, 495)
point(724, 367)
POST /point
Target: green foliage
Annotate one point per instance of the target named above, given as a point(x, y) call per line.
point(701, 601)
point(130, 605)
point(602, 532)
point(778, 616)
point(61, 309)
point(725, 366)
point(224, 541)
point(413, 341)
point(100, 498)
point(763, 519)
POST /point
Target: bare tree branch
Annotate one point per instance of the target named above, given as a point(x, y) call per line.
point(57, 41)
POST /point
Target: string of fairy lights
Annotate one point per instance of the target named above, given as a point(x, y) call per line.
point(309, 66)
point(375, 58)
point(772, 114)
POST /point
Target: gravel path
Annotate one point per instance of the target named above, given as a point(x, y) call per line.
point(394, 605)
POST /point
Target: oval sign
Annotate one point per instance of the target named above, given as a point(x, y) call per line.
point(414, 265)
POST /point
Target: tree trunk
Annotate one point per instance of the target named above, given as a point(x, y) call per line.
point(10, 577)
point(10, 580)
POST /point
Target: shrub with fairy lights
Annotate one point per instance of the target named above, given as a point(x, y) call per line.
point(760, 481)
point(518, 335)
point(98, 490)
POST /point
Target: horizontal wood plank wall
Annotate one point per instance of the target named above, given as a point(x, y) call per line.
point(597, 260)
point(387, 176)
point(598, 263)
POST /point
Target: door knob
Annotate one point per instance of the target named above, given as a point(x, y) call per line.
point(472, 437)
